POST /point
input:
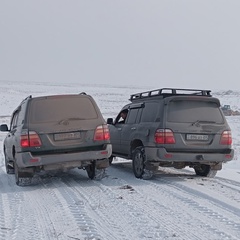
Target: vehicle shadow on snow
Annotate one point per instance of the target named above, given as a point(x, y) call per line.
point(117, 174)
point(166, 173)
point(44, 179)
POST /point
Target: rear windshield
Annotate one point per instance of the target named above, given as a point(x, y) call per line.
point(53, 109)
point(192, 111)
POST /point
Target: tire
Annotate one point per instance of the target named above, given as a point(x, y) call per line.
point(9, 168)
point(94, 173)
point(138, 162)
point(205, 171)
point(110, 160)
point(91, 170)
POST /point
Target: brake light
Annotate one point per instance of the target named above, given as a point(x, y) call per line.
point(101, 133)
point(164, 136)
point(226, 138)
point(30, 139)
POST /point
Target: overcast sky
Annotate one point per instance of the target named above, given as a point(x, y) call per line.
point(159, 43)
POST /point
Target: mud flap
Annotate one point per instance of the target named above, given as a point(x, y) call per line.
point(102, 163)
point(217, 166)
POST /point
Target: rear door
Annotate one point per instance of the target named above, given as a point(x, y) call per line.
point(64, 121)
point(197, 123)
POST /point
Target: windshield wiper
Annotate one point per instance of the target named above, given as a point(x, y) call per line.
point(198, 122)
point(64, 121)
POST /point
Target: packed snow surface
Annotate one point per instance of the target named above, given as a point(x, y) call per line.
point(175, 204)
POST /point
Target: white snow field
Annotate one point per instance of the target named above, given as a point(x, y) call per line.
point(174, 205)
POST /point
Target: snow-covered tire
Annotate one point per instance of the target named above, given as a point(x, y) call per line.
point(95, 173)
point(205, 171)
point(138, 159)
point(91, 170)
point(110, 160)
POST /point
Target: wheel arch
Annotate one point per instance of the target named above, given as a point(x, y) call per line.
point(134, 144)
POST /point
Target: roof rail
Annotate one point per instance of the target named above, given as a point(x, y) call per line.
point(167, 92)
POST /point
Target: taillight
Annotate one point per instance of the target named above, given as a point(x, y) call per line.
point(30, 139)
point(226, 138)
point(101, 133)
point(164, 136)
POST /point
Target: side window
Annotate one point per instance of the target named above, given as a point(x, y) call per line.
point(14, 121)
point(149, 112)
point(132, 115)
point(122, 116)
point(21, 116)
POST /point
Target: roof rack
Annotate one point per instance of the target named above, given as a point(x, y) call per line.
point(167, 92)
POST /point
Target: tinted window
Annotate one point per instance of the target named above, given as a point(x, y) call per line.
point(149, 112)
point(191, 111)
point(60, 108)
point(132, 115)
point(14, 121)
point(21, 115)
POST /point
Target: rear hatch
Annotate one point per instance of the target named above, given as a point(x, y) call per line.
point(197, 124)
point(65, 123)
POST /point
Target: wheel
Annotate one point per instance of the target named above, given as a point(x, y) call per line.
point(22, 178)
point(91, 170)
point(138, 162)
point(9, 168)
point(205, 171)
point(110, 159)
point(94, 173)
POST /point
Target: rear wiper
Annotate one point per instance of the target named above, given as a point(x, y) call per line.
point(198, 122)
point(64, 121)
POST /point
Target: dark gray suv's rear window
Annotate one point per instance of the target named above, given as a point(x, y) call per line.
point(191, 111)
point(60, 108)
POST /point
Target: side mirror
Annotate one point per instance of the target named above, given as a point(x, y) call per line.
point(110, 121)
point(4, 128)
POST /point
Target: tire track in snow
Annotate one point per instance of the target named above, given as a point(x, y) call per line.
point(17, 220)
point(35, 212)
point(65, 214)
point(222, 215)
point(96, 201)
point(226, 211)
point(142, 220)
point(162, 192)
point(77, 209)
point(229, 188)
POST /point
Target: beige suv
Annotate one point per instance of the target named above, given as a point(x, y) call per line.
point(56, 132)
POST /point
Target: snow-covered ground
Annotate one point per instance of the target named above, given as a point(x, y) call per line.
point(175, 204)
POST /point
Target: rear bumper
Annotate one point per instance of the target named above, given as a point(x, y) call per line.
point(68, 160)
point(161, 155)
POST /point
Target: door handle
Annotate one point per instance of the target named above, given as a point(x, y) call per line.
point(119, 129)
point(133, 128)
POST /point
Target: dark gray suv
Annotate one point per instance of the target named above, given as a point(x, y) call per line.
point(56, 133)
point(172, 128)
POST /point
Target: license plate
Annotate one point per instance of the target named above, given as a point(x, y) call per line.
point(197, 137)
point(67, 136)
